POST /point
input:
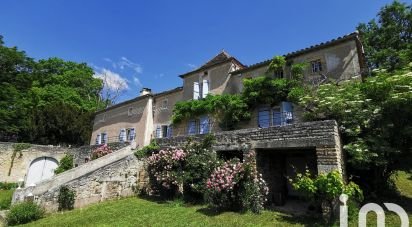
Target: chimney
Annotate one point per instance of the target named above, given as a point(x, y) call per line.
point(145, 91)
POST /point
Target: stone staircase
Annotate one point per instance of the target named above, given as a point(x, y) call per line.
point(108, 177)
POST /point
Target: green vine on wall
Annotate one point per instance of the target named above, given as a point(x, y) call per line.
point(229, 109)
point(17, 148)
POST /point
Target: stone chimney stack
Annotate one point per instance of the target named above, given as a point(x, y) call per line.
point(145, 91)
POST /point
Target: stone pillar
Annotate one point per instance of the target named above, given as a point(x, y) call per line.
point(329, 159)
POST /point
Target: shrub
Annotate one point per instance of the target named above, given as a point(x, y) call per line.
point(24, 212)
point(148, 150)
point(237, 186)
point(66, 198)
point(101, 151)
point(65, 164)
point(5, 199)
point(8, 186)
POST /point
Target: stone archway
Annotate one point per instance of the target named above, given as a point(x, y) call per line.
point(40, 169)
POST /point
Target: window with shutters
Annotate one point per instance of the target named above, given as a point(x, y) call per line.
point(205, 88)
point(122, 135)
point(98, 139)
point(158, 132)
point(130, 134)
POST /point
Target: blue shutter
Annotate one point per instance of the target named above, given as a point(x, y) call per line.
point(191, 127)
point(122, 135)
point(98, 141)
point(132, 134)
point(287, 113)
point(204, 125)
point(169, 131)
point(277, 117)
point(263, 118)
point(158, 132)
point(104, 138)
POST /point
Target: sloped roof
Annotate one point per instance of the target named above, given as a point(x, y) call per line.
point(220, 58)
point(332, 42)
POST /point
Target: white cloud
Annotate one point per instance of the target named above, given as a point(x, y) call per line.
point(191, 66)
point(112, 81)
point(126, 63)
point(137, 82)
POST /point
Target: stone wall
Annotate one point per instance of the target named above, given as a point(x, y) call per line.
point(21, 163)
point(320, 135)
point(112, 176)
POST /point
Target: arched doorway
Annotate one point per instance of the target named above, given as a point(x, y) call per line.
point(41, 169)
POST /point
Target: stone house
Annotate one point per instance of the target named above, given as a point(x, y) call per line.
point(283, 143)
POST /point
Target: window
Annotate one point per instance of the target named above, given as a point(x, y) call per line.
point(130, 134)
point(191, 127)
point(130, 111)
point(122, 135)
point(170, 131)
point(164, 131)
point(316, 66)
point(164, 103)
point(287, 113)
point(263, 118)
point(196, 90)
point(204, 125)
point(278, 74)
point(104, 138)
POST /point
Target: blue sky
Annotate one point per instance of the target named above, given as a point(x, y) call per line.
point(150, 43)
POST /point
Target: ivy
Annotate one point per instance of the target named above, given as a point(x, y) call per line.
point(17, 148)
point(66, 198)
point(65, 164)
point(229, 109)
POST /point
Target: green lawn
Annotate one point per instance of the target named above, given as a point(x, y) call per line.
point(5, 199)
point(140, 212)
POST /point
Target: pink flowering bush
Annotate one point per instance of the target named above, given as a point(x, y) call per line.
point(166, 166)
point(237, 186)
point(101, 151)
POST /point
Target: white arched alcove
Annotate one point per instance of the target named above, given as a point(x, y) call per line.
point(40, 169)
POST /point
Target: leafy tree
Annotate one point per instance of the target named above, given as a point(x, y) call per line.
point(65, 164)
point(48, 101)
point(375, 123)
point(388, 38)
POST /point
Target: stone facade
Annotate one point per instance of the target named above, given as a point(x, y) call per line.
point(22, 163)
point(340, 59)
point(112, 176)
point(281, 151)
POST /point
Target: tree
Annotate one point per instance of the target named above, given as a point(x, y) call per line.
point(388, 38)
point(375, 123)
point(48, 101)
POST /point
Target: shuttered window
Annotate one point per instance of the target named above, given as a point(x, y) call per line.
point(104, 138)
point(287, 113)
point(158, 132)
point(98, 139)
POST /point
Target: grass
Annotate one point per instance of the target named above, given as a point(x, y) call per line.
point(5, 199)
point(141, 212)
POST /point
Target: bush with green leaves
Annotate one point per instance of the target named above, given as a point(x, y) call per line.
point(375, 121)
point(8, 185)
point(65, 164)
point(148, 150)
point(5, 199)
point(325, 187)
point(66, 198)
point(24, 212)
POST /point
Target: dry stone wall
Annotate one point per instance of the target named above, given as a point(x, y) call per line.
point(320, 135)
